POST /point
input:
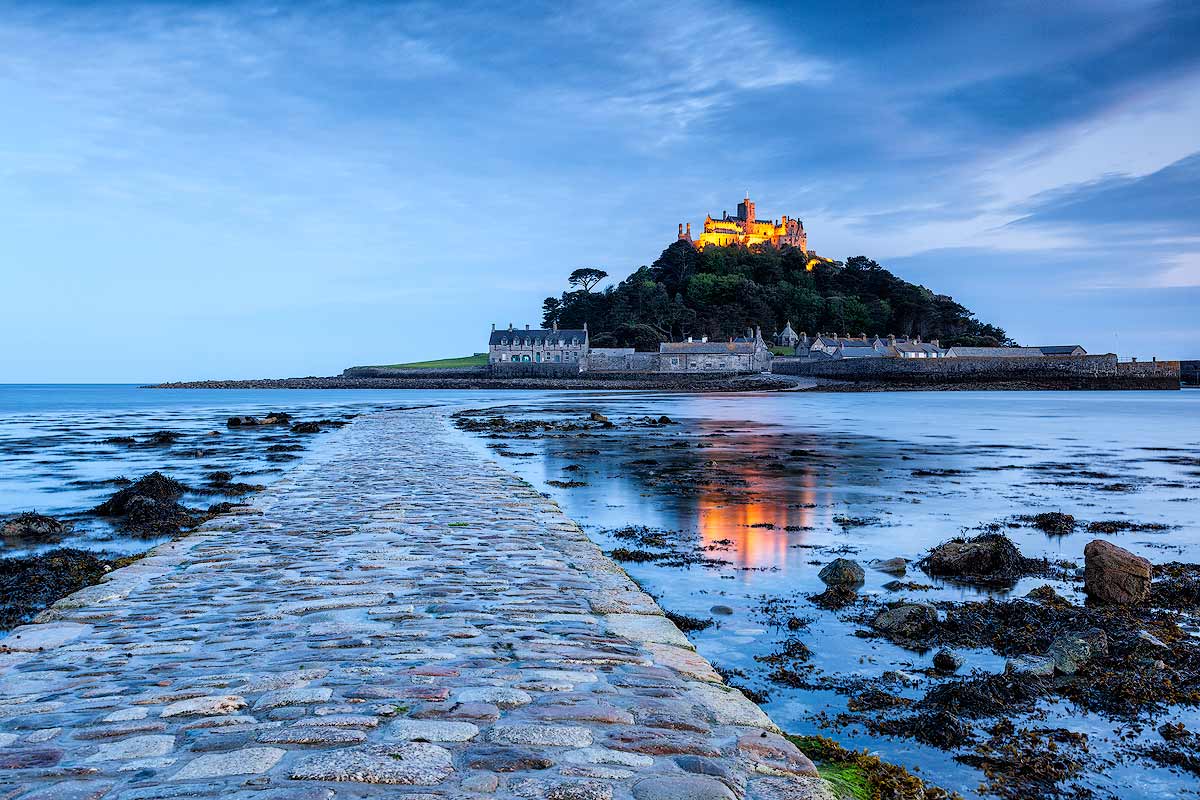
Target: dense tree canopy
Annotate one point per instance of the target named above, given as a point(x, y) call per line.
point(719, 292)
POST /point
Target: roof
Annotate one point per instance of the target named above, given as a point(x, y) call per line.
point(537, 335)
point(916, 347)
point(706, 347)
point(1060, 349)
point(998, 352)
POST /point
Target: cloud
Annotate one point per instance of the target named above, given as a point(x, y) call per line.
point(1165, 201)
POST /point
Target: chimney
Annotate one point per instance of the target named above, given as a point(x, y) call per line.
point(936, 343)
point(526, 326)
point(689, 340)
point(493, 327)
point(681, 230)
point(864, 337)
point(918, 339)
point(704, 339)
point(510, 326)
point(891, 340)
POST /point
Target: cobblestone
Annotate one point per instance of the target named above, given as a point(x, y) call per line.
point(402, 611)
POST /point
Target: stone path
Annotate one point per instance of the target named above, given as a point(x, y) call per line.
point(404, 618)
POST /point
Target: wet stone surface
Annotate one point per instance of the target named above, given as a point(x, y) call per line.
point(404, 616)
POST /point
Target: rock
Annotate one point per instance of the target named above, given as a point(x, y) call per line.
point(541, 735)
point(892, 566)
point(682, 787)
point(596, 416)
point(429, 730)
point(771, 754)
point(483, 782)
point(505, 759)
point(946, 661)
point(581, 790)
point(906, 620)
point(204, 706)
point(313, 734)
point(501, 696)
point(409, 764)
point(134, 747)
point(842, 572)
point(1114, 576)
point(306, 427)
point(723, 610)
point(1040, 666)
point(47, 636)
point(31, 525)
point(989, 556)
point(293, 697)
point(1072, 652)
point(247, 761)
point(30, 758)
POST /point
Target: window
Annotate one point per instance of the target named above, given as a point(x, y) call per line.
point(557, 357)
point(504, 342)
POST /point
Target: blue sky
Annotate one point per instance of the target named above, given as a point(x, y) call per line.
point(241, 190)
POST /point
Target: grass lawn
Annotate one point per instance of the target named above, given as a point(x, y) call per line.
point(477, 360)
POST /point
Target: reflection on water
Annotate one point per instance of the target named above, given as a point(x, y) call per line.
point(773, 487)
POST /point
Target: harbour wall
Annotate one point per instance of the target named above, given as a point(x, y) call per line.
point(1056, 372)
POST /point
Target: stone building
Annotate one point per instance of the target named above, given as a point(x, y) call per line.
point(832, 346)
point(787, 337)
point(748, 354)
point(747, 229)
point(538, 346)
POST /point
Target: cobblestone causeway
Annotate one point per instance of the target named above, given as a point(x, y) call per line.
point(403, 618)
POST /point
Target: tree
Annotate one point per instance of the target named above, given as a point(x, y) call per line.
point(586, 277)
point(722, 291)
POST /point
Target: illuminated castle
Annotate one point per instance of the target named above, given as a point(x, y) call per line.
point(747, 229)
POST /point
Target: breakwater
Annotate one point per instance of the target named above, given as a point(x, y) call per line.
point(398, 610)
point(1060, 372)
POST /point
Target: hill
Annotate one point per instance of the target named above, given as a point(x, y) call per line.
point(719, 292)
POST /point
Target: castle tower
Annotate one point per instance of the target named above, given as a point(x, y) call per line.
point(746, 209)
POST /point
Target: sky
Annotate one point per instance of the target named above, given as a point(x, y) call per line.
point(238, 190)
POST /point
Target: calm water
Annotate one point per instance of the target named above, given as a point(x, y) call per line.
point(798, 479)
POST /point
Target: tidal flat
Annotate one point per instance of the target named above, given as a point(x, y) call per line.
point(728, 509)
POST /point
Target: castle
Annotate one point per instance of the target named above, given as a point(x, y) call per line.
point(747, 229)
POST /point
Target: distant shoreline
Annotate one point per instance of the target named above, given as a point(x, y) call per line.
point(672, 383)
point(677, 383)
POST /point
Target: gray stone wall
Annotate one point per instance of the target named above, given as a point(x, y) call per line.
point(1084, 372)
point(623, 359)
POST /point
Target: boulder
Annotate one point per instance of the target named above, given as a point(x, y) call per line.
point(32, 525)
point(842, 572)
point(306, 427)
point(989, 556)
point(1072, 652)
point(596, 416)
point(1038, 666)
point(892, 566)
point(906, 620)
point(1114, 576)
point(946, 661)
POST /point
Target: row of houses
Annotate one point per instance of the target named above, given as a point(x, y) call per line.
point(565, 347)
point(570, 348)
point(832, 346)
